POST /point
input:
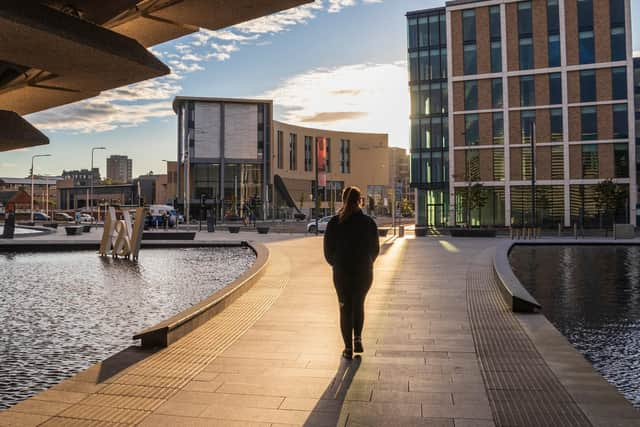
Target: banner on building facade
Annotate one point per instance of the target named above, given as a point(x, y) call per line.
point(321, 156)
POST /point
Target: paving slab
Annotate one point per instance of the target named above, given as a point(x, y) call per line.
point(272, 358)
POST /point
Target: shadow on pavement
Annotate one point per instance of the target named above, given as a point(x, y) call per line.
point(122, 360)
point(329, 409)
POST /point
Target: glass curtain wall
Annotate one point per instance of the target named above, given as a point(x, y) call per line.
point(429, 125)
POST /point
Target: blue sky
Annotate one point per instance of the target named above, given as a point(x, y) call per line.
point(332, 56)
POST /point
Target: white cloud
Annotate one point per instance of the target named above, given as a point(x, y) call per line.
point(361, 97)
point(137, 103)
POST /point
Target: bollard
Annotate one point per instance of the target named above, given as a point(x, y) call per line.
point(559, 230)
point(575, 231)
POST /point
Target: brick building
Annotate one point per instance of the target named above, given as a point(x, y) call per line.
point(514, 81)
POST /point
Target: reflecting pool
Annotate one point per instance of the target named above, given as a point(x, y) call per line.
point(62, 312)
point(592, 295)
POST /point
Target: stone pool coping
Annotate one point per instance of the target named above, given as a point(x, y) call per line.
point(177, 326)
point(170, 330)
point(599, 400)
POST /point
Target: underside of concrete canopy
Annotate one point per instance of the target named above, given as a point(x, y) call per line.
point(17, 133)
point(54, 52)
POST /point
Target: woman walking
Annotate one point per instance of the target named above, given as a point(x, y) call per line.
point(351, 246)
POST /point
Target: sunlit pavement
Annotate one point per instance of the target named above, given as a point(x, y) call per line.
point(273, 357)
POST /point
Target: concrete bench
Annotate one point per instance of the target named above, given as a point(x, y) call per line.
point(73, 230)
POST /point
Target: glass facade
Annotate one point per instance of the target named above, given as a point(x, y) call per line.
point(496, 93)
point(619, 83)
point(555, 89)
point(527, 91)
point(429, 100)
point(620, 121)
point(589, 123)
point(555, 116)
point(587, 86)
point(471, 95)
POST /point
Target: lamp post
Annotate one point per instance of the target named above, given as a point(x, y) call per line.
point(32, 158)
point(91, 179)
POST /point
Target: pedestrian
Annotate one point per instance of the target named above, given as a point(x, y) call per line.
point(351, 247)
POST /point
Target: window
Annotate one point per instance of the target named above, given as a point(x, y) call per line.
point(586, 47)
point(471, 130)
point(494, 23)
point(524, 18)
point(555, 89)
point(423, 33)
point(469, 26)
point(414, 67)
point(526, 53)
point(587, 86)
point(498, 129)
point(496, 93)
point(619, 83)
point(470, 59)
point(557, 162)
point(616, 12)
point(527, 119)
point(345, 156)
point(280, 138)
point(498, 165)
point(589, 123)
point(435, 100)
point(445, 132)
point(556, 124)
point(496, 56)
point(293, 151)
point(553, 17)
point(443, 62)
point(585, 14)
point(618, 44)
point(436, 132)
point(412, 33)
point(621, 160)
point(590, 164)
point(620, 121)
point(554, 50)
point(434, 63)
point(443, 29)
point(527, 91)
point(327, 165)
point(308, 153)
point(471, 95)
point(434, 32)
point(472, 165)
point(423, 57)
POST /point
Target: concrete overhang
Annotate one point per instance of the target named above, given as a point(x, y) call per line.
point(18, 133)
point(55, 52)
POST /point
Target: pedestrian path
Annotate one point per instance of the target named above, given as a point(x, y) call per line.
point(273, 357)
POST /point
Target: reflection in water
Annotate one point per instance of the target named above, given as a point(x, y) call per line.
point(592, 295)
point(62, 312)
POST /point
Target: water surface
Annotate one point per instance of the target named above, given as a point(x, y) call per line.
point(592, 295)
point(62, 312)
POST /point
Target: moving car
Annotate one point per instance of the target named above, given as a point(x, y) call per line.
point(322, 224)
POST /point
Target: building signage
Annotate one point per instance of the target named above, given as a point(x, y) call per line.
point(321, 156)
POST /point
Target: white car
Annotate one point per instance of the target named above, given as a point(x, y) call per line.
point(322, 225)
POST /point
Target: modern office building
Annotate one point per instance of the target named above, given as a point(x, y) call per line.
point(531, 99)
point(636, 92)
point(233, 155)
point(119, 169)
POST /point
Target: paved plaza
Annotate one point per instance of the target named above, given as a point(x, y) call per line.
point(441, 349)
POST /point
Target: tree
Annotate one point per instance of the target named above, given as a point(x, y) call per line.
point(474, 195)
point(608, 196)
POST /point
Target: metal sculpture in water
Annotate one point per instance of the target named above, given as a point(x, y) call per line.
point(119, 237)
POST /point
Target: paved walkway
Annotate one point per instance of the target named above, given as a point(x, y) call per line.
point(273, 357)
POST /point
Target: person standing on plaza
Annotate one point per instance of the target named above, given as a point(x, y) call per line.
point(351, 247)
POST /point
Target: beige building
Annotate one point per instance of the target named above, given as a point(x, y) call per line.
point(360, 159)
point(238, 160)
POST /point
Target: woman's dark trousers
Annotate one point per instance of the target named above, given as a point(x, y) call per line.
point(352, 288)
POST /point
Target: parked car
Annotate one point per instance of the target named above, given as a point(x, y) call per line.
point(62, 216)
point(86, 218)
point(40, 216)
point(322, 225)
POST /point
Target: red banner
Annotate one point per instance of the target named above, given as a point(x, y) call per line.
point(321, 155)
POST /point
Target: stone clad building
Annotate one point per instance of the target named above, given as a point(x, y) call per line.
point(233, 156)
point(537, 106)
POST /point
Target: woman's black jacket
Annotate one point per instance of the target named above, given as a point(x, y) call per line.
point(352, 245)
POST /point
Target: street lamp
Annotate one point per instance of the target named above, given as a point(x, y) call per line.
point(33, 157)
point(91, 178)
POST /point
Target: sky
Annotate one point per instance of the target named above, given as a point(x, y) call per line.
point(333, 64)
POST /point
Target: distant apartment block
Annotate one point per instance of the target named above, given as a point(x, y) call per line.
point(82, 177)
point(119, 169)
point(532, 99)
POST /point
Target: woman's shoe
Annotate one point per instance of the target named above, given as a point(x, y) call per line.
point(347, 353)
point(357, 345)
